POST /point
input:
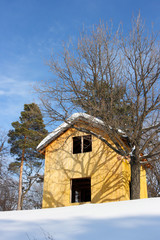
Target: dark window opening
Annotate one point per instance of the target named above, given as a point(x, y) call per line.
point(81, 190)
point(76, 145)
point(82, 144)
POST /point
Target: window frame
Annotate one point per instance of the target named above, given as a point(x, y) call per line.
point(82, 148)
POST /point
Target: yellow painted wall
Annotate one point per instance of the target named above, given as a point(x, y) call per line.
point(109, 172)
point(143, 184)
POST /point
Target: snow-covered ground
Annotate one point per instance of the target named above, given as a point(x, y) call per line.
point(131, 220)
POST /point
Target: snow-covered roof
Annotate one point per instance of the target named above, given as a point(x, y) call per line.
point(67, 124)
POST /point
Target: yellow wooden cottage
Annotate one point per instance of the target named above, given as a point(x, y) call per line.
point(80, 168)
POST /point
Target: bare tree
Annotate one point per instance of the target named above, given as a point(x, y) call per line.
point(33, 198)
point(153, 173)
point(8, 192)
point(115, 77)
point(8, 185)
point(31, 191)
point(3, 148)
point(153, 176)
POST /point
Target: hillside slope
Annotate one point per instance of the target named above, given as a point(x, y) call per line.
point(133, 220)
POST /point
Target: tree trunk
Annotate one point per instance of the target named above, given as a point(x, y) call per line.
point(19, 206)
point(22, 196)
point(135, 179)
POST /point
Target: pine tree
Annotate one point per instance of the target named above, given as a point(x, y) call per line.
point(24, 138)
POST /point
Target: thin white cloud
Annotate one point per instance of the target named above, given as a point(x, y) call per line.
point(2, 92)
point(4, 80)
point(12, 87)
point(14, 93)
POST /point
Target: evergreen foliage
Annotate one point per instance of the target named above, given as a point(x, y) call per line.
point(27, 134)
point(99, 94)
point(24, 138)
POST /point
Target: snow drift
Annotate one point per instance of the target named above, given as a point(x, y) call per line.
point(133, 220)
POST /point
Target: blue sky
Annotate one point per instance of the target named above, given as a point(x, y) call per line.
point(31, 29)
